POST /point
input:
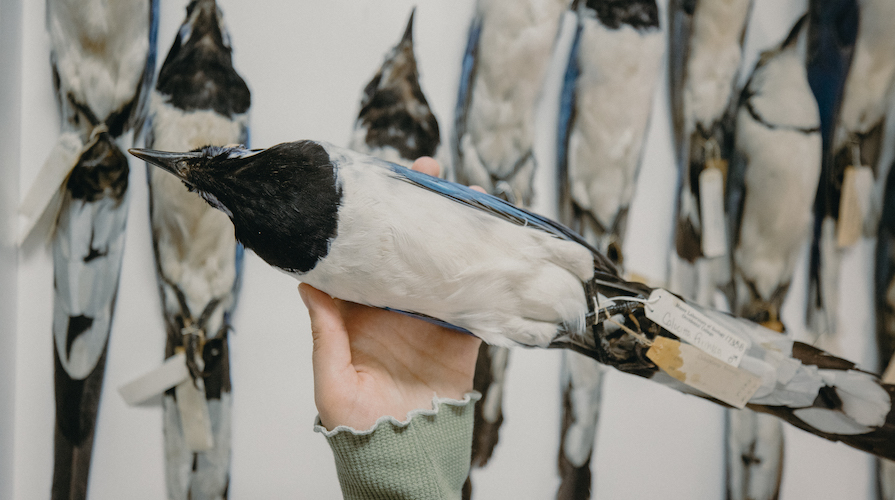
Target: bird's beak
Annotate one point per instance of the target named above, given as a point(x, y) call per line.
point(172, 162)
point(408, 32)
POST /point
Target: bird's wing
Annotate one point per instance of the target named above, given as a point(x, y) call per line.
point(885, 280)
point(141, 107)
point(498, 208)
point(87, 251)
point(565, 122)
point(832, 32)
point(464, 92)
point(680, 27)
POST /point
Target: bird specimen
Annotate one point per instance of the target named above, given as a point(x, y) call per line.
point(770, 191)
point(103, 61)
point(395, 122)
point(199, 100)
point(604, 109)
point(375, 233)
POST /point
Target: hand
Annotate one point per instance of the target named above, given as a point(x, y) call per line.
point(369, 362)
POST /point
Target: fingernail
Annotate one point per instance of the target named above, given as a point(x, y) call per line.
point(304, 296)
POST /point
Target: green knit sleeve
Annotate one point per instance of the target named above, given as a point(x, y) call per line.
point(426, 456)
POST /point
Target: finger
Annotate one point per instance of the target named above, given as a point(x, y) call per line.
point(427, 165)
point(331, 356)
point(478, 188)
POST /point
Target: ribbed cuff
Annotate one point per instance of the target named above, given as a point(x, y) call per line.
point(426, 456)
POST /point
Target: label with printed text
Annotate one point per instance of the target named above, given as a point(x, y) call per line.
point(691, 325)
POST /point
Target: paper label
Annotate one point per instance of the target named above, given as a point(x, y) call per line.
point(888, 376)
point(854, 204)
point(194, 418)
point(171, 373)
point(45, 194)
point(711, 212)
point(691, 325)
point(703, 372)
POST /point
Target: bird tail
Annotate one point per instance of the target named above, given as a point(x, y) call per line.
point(644, 332)
point(77, 404)
point(490, 377)
point(582, 384)
point(754, 455)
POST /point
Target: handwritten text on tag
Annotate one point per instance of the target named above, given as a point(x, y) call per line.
point(691, 325)
point(703, 372)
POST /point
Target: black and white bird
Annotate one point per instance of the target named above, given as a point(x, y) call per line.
point(199, 100)
point(507, 53)
point(395, 122)
point(605, 106)
point(375, 233)
point(856, 144)
point(705, 50)
point(884, 294)
point(506, 58)
point(771, 186)
point(103, 61)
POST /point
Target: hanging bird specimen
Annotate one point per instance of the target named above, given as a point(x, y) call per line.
point(605, 105)
point(507, 53)
point(705, 52)
point(851, 189)
point(199, 100)
point(395, 122)
point(103, 60)
point(770, 196)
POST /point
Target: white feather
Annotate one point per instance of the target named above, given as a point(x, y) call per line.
point(514, 49)
point(619, 70)
point(783, 167)
point(86, 287)
point(585, 377)
point(100, 49)
point(502, 264)
point(196, 243)
point(714, 60)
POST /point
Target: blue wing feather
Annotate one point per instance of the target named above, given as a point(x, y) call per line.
point(496, 207)
point(567, 100)
point(466, 76)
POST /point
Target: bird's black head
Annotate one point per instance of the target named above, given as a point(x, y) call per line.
point(283, 200)
point(198, 72)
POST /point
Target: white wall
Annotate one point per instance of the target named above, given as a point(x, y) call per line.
point(306, 64)
point(10, 110)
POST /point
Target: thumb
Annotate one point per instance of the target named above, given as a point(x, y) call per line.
point(331, 356)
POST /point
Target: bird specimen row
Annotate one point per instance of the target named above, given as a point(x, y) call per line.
point(104, 59)
point(745, 154)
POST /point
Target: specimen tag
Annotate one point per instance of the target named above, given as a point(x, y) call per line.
point(854, 203)
point(172, 372)
point(194, 418)
point(45, 194)
point(703, 372)
point(691, 325)
point(888, 377)
point(711, 212)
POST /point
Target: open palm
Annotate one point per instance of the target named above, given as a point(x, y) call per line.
point(370, 362)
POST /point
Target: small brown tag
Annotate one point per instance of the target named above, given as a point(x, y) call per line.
point(854, 201)
point(701, 371)
point(711, 212)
